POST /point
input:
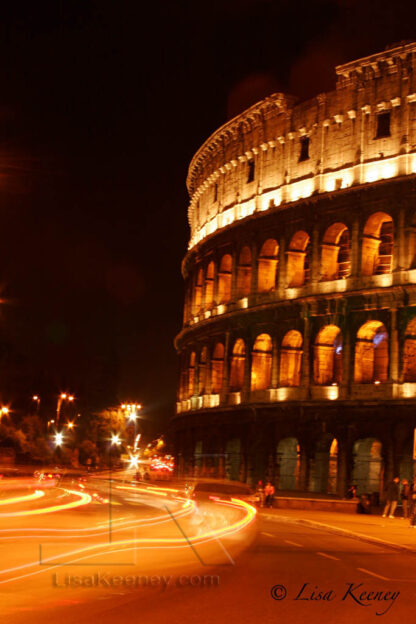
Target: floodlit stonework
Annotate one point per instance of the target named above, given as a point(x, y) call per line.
point(298, 350)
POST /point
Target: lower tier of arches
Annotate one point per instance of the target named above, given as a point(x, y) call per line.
point(300, 447)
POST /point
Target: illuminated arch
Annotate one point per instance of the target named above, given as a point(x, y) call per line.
point(197, 299)
point(335, 253)
point(217, 368)
point(237, 366)
point(371, 353)
point(327, 363)
point(191, 374)
point(377, 245)
point(209, 286)
point(298, 262)
point(203, 371)
point(409, 352)
point(324, 470)
point(367, 469)
point(267, 266)
point(224, 279)
point(244, 273)
point(261, 363)
point(291, 358)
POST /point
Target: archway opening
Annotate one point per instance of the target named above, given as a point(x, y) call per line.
point(202, 371)
point(244, 273)
point(237, 366)
point(261, 363)
point(291, 358)
point(224, 279)
point(197, 303)
point(327, 365)
point(325, 466)
point(336, 253)
point(232, 459)
point(288, 464)
point(367, 473)
point(377, 245)
point(371, 353)
point(409, 352)
point(267, 266)
point(209, 286)
point(217, 368)
point(298, 260)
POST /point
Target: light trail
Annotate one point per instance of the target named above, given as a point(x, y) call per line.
point(141, 543)
point(22, 499)
point(84, 499)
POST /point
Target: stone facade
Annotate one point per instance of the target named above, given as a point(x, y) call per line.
point(298, 351)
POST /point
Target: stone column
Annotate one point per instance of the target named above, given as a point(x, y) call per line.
point(215, 293)
point(347, 358)
point(275, 363)
point(394, 347)
point(282, 268)
point(305, 374)
point(225, 368)
point(355, 249)
point(399, 251)
point(247, 372)
point(315, 255)
point(234, 276)
point(254, 269)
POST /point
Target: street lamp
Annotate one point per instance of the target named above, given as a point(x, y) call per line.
point(59, 438)
point(4, 411)
point(62, 397)
point(36, 399)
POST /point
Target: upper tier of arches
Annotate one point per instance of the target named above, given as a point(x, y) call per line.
point(275, 265)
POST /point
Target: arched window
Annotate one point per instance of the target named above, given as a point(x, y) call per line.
point(291, 358)
point(327, 365)
point(224, 279)
point(197, 302)
point(267, 266)
point(217, 368)
point(183, 382)
point(244, 273)
point(209, 286)
point(335, 253)
point(237, 366)
point(298, 261)
point(377, 246)
point(409, 352)
point(371, 353)
point(191, 375)
point(261, 363)
point(202, 371)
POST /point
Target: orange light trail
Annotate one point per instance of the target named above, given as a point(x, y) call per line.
point(84, 499)
point(20, 499)
point(132, 544)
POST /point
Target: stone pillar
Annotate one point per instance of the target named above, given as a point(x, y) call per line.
point(234, 276)
point(282, 267)
point(215, 294)
point(355, 249)
point(347, 358)
point(275, 363)
point(254, 269)
point(315, 260)
point(225, 368)
point(399, 251)
point(305, 374)
point(304, 469)
point(208, 377)
point(247, 372)
point(394, 347)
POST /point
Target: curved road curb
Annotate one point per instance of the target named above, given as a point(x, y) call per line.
point(338, 531)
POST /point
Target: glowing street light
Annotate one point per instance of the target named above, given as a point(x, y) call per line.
point(4, 411)
point(115, 439)
point(62, 397)
point(70, 424)
point(59, 438)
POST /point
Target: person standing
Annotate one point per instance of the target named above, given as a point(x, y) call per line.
point(392, 498)
point(269, 493)
point(405, 495)
point(412, 509)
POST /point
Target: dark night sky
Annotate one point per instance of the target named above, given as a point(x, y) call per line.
point(102, 105)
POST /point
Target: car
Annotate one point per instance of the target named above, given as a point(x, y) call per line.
point(211, 489)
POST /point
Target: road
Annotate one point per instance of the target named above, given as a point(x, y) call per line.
point(167, 576)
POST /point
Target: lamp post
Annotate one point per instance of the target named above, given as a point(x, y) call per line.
point(114, 441)
point(36, 399)
point(62, 397)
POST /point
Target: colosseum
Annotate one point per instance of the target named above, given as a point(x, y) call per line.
point(298, 346)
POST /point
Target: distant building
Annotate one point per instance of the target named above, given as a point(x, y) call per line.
point(298, 350)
